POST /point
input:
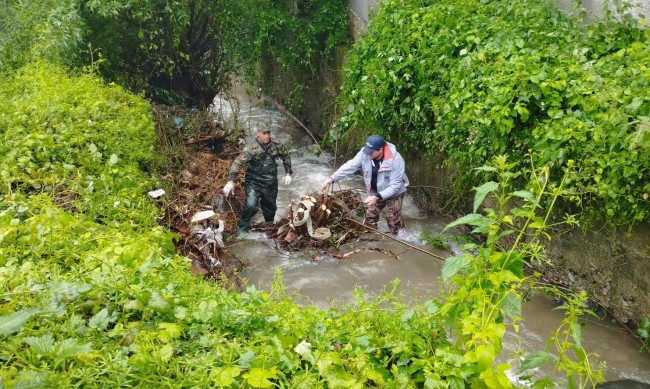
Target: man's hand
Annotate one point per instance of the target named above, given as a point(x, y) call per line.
point(326, 185)
point(229, 188)
point(287, 179)
point(370, 201)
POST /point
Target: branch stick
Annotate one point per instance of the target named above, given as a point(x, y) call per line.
point(393, 238)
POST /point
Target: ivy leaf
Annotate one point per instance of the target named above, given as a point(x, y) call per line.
point(169, 331)
point(536, 359)
point(453, 265)
point(14, 322)
point(482, 191)
point(180, 313)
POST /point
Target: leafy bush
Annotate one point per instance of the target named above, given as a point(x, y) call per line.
point(174, 51)
point(85, 143)
point(49, 29)
point(465, 81)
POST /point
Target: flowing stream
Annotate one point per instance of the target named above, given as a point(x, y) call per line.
point(322, 280)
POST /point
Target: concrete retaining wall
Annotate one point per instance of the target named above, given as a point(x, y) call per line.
point(362, 11)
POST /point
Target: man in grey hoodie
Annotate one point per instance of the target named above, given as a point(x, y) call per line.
point(385, 178)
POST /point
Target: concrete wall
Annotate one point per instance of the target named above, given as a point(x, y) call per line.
point(361, 11)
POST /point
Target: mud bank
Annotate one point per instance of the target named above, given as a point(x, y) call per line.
point(611, 265)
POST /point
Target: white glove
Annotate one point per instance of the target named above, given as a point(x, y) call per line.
point(229, 188)
point(326, 185)
point(287, 179)
point(370, 201)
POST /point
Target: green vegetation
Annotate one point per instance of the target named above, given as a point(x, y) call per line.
point(465, 81)
point(435, 241)
point(50, 29)
point(644, 332)
point(93, 291)
point(175, 51)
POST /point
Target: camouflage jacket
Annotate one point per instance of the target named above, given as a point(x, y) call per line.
point(260, 161)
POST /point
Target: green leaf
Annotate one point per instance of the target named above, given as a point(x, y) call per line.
point(482, 191)
point(14, 322)
point(247, 358)
point(224, 376)
point(169, 331)
point(526, 195)
point(166, 352)
point(511, 305)
point(100, 320)
point(644, 327)
point(453, 265)
point(158, 302)
point(473, 219)
point(486, 168)
point(71, 347)
point(536, 359)
point(46, 346)
point(259, 378)
point(576, 333)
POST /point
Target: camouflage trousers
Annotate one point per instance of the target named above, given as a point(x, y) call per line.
point(256, 195)
point(394, 217)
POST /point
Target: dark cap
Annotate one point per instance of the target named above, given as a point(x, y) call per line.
point(374, 142)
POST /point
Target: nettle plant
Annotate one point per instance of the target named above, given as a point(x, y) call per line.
point(465, 81)
point(488, 285)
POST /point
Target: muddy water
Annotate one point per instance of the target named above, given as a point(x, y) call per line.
point(322, 280)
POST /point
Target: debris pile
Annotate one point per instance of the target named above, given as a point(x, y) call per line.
point(319, 221)
point(201, 152)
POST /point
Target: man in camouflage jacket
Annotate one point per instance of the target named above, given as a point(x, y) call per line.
point(261, 180)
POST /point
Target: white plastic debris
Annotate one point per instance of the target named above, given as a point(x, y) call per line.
point(203, 215)
point(157, 193)
point(211, 236)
